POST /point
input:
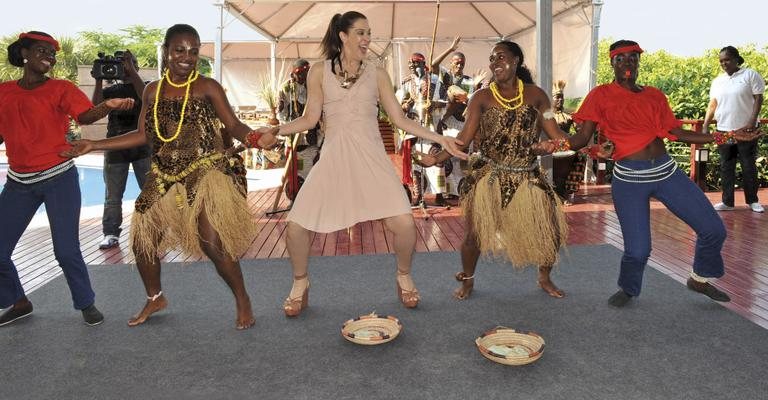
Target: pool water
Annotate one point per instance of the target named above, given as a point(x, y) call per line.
point(91, 186)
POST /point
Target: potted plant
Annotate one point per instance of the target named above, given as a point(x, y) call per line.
point(270, 96)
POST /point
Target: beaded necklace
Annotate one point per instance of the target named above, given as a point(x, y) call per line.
point(349, 78)
point(507, 103)
point(191, 78)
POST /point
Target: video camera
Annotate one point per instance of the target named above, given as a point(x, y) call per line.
point(108, 67)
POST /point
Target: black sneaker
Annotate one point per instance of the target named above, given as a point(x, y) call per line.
point(708, 290)
point(92, 315)
point(14, 313)
point(620, 299)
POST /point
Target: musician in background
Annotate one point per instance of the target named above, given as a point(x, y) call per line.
point(568, 167)
point(291, 102)
point(422, 92)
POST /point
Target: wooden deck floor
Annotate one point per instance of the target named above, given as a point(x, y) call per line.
point(592, 220)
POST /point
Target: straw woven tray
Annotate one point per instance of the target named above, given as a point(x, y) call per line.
point(371, 329)
point(507, 346)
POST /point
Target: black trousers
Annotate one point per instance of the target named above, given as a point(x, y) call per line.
point(746, 154)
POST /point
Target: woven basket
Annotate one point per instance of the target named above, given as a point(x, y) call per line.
point(371, 329)
point(507, 346)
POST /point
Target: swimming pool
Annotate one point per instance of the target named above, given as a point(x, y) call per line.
point(91, 186)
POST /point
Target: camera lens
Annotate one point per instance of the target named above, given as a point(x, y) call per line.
point(109, 70)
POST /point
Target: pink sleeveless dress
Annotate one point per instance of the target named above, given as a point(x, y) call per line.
point(354, 180)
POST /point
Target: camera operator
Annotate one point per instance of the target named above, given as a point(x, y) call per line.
point(116, 162)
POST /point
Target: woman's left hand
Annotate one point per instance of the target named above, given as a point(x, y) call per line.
point(453, 146)
point(120, 104)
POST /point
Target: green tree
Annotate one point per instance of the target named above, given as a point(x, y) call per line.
point(142, 42)
point(686, 82)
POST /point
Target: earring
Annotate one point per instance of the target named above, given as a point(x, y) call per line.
point(25, 61)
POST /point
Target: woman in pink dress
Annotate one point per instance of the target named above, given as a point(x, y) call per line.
point(354, 180)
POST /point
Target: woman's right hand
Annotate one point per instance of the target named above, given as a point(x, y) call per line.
point(79, 147)
point(120, 104)
point(423, 159)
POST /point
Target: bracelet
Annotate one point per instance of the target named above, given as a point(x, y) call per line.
point(724, 137)
point(252, 139)
point(561, 145)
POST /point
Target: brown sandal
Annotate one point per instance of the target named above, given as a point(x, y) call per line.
point(294, 306)
point(409, 298)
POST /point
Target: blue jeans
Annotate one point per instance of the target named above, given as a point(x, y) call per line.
point(18, 204)
point(746, 154)
point(684, 199)
point(115, 178)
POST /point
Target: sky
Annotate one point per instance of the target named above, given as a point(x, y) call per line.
point(681, 27)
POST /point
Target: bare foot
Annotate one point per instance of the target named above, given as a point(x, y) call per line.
point(549, 287)
point(150, 308)
point(467, 284)
point(245, 317)
point(464, 291)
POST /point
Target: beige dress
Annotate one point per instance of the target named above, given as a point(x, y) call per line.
point(354, 180)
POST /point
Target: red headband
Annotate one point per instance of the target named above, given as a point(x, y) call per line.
point(41, 38)
point(301, 68)
point(417, 58)
point(626, 49)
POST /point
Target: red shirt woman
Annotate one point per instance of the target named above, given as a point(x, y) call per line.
point(34, 118)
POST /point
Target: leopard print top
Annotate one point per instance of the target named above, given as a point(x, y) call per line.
point(199, 138)
point(504, 144)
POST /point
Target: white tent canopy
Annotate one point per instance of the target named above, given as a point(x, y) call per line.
point(294, 29)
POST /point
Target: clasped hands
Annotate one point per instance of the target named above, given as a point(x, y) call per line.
point(601, 150)
point(747, 134)
point(267, 137)
point(451, 145)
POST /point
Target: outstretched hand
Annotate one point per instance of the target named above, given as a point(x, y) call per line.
point(79, 147)
point(453, 146)
point(480, 76)
point(455, 44)
point(120, 104)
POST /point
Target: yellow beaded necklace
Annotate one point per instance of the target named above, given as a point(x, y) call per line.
point(506, 103)
point(191, 78)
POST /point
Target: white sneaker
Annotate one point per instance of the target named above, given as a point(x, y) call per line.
point(109, 242)
point(756, 207)
point(723, 207)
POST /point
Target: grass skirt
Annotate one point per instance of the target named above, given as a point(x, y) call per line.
point(166, 225)
point(529, 231)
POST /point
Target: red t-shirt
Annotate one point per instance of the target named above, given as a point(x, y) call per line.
point(630, 120)
point(34, 123)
